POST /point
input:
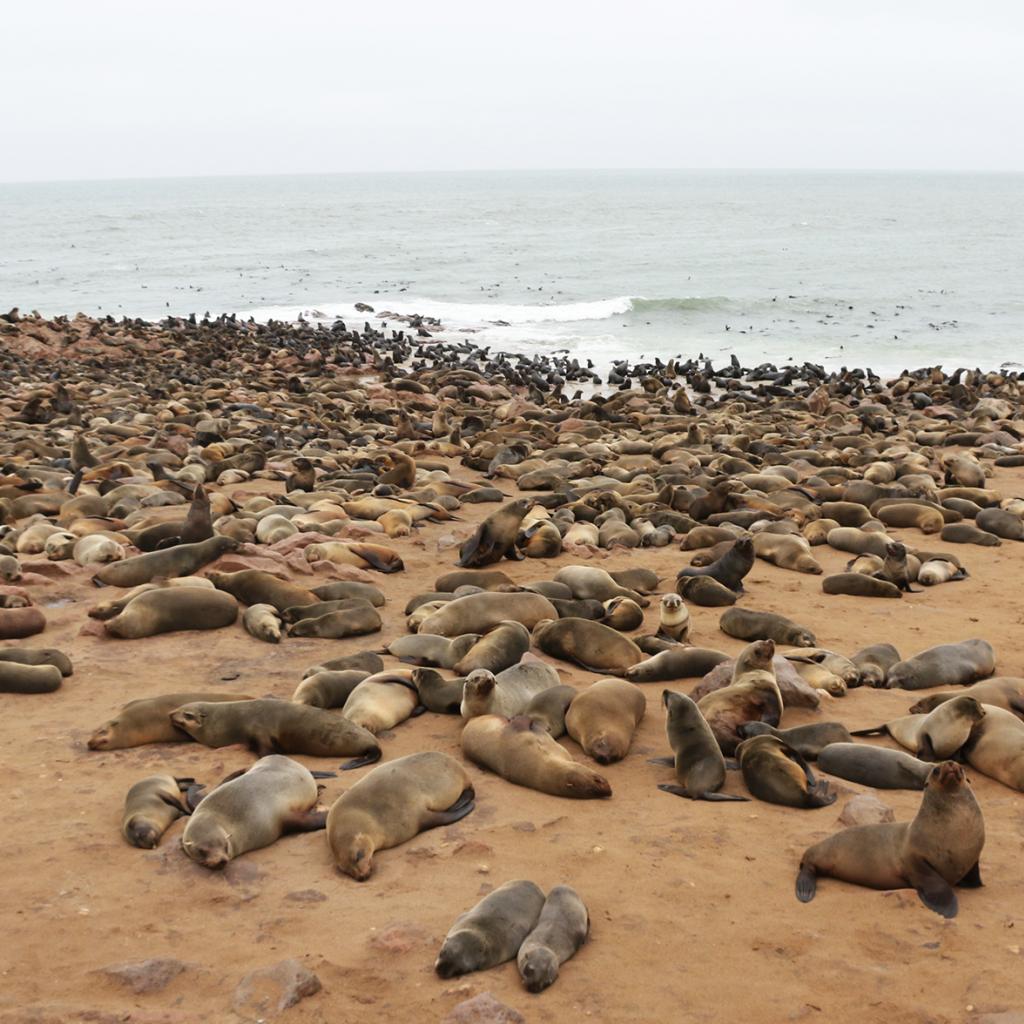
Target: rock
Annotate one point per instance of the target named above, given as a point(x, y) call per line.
point(272, 990)
point(398, 937)
point(143, 976)
point(484, 1009)
point(865, 809)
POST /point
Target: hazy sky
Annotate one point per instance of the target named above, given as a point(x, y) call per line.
point(94, 89)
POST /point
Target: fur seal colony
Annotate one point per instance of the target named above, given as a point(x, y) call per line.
point(301, 542)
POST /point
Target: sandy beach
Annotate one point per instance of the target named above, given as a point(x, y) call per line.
point(692, 905)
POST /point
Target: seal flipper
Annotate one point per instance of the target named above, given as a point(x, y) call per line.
point(360, 762)
point(723, 798)
point(668, 762)
point(819, 795)
point(458, 810)
point(179, 804)
point(972, 880)
point(1017, 706)
point(806, 884)
point(674, 789)
point(324, 775)
point(305, 821)
point(194, 796)
point(418, 710)
point(878, 730)
point(935, 892)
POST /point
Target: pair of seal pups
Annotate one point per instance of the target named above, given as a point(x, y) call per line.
point(936, 851)
point(516, 920)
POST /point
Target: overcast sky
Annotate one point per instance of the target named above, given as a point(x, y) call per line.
point(94, 89)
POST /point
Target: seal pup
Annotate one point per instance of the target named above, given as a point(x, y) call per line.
point(328, 689)
point(521, 751)
point(262, 622)
point(675, 663)
point(382, 701)
point(437, 694)
point(394, 803)
point(705, 592)
point(674, 618)
point(151, 807)
point(603, 718)
point(939, 849)
point(508, 693)
point(493, 931)
point(776, 773)
point(698, 760)
point(250, 811)
point(271, 726)
point(549, 707)
point(561, 930)
point(874, 663)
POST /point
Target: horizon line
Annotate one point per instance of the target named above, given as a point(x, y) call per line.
point(516, 170)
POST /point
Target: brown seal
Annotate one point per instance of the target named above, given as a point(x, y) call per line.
point(168, 609)
point(560, 931)
point(675, 663)
point(394, 803)
point(730, 569)
point(16, 677)
point(357, 621)
point(787, 551)
point(507, 693)
point(478, 613)
point(996, 747)
point(493, 931)
point(874, 663)
point(588, 583)
point(328, 689)
point(603, 718)
point(549, 707)
point(698, 760)
point(382, 701)
point(856, 584)
point(594, 646)
point(807, 740)
point(939, 849)
point(277, 726)
point(182, 560)
point(705, 592)
point(879, 767)
point(495, 538)
point(262, 622)
point(498, 649)
point(18, 623)
point(151, 807)
point(945, 665)
point(746, 624)
point(148, 721)
point(253, 586)
point(674, 618)
point(776, 773)
point(1006, 692)
point(252, 810)
point(521, 751)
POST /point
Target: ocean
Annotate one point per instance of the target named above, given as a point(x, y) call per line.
point(887, 270)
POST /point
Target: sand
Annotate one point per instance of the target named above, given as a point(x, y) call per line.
point(693, 911)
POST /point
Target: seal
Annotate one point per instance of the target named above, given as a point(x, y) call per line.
point(561, 930)
point(394, 803)
point(745, 624)
point(705, 592)
point(495, 538)
point(437, 694)
point(253, 586)
point(18, 623)
point(588, 583)
point(277, 726)
point(382, 701)
point(17, 677)
point(730, 569)
point(1006, 692)
point(181, 560)
point(338, 590)
point(787, 551)
point(250, 811)
point(328, 689)
point(874, 663)
point(548, 709)
point(945, 665)
point(315, 611)
point(152, 807)
point(493, 931)
point(622, 614)
point(592, 645)
point(478, 613)
point(429, 649)
point(878, 767)
point(262, 622)
point(508, 693)
point(491, 579)
point(806, 740)
point(946, 729)
point(367, 661)
point(168, 609)
point(521, 751)
point(996, 747)
point(752, 696)
point(698, 760)
point(498, 649)
point(108, 609)
point(603, 718)
point(967, 533)
point(927, 520)
point(358, 621)
point(674, 619)
point(856, 584)
point(148, 721)
point(939, 849)
point(939, 570)
point(776, 773)
point(675, 663)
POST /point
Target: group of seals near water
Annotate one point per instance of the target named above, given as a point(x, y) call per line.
point(263, 477)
